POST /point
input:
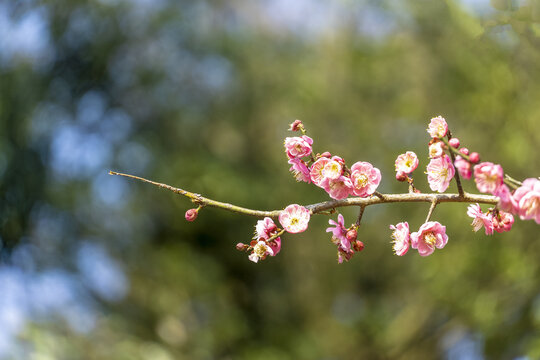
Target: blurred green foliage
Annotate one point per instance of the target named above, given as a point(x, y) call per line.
point(199, 95)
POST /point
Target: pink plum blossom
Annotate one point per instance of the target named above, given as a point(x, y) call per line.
point(503, 221)
point(436, 149)
point(294, 218)
point(431, 235)
point(316, 172)
point(480, 219)
point(407, 162)
point(299, 170)
point(296, 147)
point(527, 199)
point(338, 189)
point(333, 169)
point(260, 251)
point(365, 178)
point(463, 167)
point(265, 229)
point(437, 127)
point(339, 232)
point(400, 238)
point(339, 237)
point(439, 173)
point(488, 177)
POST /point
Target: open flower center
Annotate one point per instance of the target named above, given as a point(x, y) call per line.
point(294, 221)
point(440, 130)
point(443, 173)
point(260, 249)
point(362, 180)
point(430, 239)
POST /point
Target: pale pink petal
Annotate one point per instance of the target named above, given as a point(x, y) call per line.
point(440, 172)
point(338, 189)
point(488, 177)
point(431, 235)
point(297, 147)
point(365, 179)
point(407, 162)
point(400, 238)
point(294, 218)
point(316, 174)
point(437, 127)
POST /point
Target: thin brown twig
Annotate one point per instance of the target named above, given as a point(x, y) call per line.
point(360, 213)
point(431, 208)
point(326, 205)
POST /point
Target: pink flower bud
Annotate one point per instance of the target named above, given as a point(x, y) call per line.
point(401, 176)
point(474, 157)
point(454, 142)
point(358, 246)
point(191, 214)
point(241, 246)
point(326, 154)
point(296, 125)
point(338, 159)
point(351, 235)
point(464, 151)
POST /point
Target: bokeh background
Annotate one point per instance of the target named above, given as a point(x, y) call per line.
point(199, 94)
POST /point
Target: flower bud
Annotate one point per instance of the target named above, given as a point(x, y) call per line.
point(191, 214)
point(326, 154)
point(241, 246)
point(296, 125)
point(474, 157)
point(358, 246)
point(454, 142)
point(464, 151)
point(351, 235)
point(338, 159)
point(401, 176)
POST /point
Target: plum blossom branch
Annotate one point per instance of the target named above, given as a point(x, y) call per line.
point(357, 186)
point(322, 207)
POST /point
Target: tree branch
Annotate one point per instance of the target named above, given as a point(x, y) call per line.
point(327, 205)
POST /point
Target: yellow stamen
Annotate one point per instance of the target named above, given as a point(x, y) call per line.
point(430, 239)
point(362, 180)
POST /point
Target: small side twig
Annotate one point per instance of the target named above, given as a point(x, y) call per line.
point(431, 208)
point(360, 213)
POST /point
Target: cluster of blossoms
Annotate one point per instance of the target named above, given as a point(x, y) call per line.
point(431, 235)
point(345, 239)
point(266, 241)
point(329, 172)
point(447, 161)
point(489, 178)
